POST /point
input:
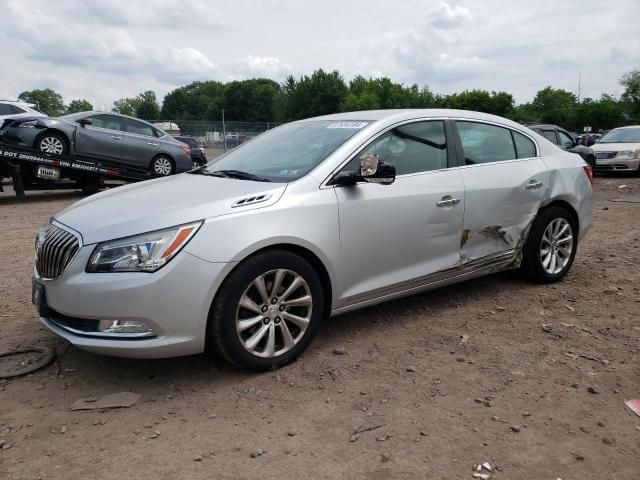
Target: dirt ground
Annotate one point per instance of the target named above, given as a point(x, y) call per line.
point(427, 403)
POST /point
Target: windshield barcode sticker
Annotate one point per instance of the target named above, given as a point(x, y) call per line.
point(353, 125)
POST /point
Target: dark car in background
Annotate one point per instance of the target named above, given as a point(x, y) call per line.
point(562, 138)
point(198, 155)
point(102, 135)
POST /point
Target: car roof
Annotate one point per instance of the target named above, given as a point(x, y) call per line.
point(18, 102)
point(541, 125)
point(626, 127)
point(399, 115)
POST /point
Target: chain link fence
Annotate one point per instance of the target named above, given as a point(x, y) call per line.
point(215, 134)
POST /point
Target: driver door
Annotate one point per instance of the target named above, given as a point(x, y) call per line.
point(393, 237)
point(103, 138)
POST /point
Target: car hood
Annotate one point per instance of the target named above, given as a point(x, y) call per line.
point(614, 147)
point(161, 203)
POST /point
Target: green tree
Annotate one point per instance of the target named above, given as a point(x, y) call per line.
point(126, 106)
point(147, 107)
point(631, 95)
point(47, 100)
point(196, 101)
point(252, 100)
point(320, 94)
point(500, 103)
point(79, 105)
point(556, 106)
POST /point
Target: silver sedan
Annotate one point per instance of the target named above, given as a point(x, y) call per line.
point(247, 255)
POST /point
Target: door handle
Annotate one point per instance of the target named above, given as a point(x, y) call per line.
point(115, 137)
point(533, 185)
point(448, 201)
point(152, 144)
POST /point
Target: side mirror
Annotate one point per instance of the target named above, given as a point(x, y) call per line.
point(85, 121)
point(374, 170)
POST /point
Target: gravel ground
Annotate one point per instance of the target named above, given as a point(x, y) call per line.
point(425, 387)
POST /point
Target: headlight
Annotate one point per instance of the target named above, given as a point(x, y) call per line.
point(30, 124)
point(629, 153)
point(141, 253)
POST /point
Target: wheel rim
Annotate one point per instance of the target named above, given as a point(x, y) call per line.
point(274, 313)
point(162, 166)
point(195, 164)
point(51, 145)
point(556, 246)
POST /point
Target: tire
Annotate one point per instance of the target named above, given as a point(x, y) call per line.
point(232, 329)
point(163, 166)
point(553, 230)
point(53, 143)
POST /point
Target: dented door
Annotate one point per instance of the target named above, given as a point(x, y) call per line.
point(502, 199)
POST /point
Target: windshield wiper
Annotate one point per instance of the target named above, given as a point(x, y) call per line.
point(237, 174)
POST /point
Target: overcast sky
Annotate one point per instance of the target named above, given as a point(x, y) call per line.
point(102, 50)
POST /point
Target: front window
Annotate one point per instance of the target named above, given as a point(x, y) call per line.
point(411, 148)
point(289, 152)
point(622, 135)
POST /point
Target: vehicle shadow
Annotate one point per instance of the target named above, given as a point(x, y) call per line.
point(207, 370)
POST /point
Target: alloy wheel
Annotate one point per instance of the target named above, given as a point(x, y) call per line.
point(162, 166)
point(274, 313)
point(51, 145)
point(556, 246)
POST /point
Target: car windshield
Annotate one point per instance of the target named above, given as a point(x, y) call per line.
point(622, 135)
point(289, 152)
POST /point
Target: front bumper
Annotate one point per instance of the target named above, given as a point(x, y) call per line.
point(617, 164)
point(173, 301)
point(20, 137)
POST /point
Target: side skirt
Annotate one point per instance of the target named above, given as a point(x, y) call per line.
point(458, 273)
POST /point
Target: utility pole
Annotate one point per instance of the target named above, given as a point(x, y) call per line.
point(224, 132)
point(579, 86)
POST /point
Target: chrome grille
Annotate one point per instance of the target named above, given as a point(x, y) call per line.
point(55, 248)
point(606, 154)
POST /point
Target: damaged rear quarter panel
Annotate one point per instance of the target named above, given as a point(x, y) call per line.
point(498, 207)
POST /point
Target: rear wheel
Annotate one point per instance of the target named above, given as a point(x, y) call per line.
point(267, 311)
point(53, 143)
point(551, 247)
point(162, 165)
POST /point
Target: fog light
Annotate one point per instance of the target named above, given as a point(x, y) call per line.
point(131, 327)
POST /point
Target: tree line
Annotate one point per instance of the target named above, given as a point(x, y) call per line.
point(321, 93)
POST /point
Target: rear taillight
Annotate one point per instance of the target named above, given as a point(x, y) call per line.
point(187, 150)
point(589, 172)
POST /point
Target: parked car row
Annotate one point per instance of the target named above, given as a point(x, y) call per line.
point(562, 138)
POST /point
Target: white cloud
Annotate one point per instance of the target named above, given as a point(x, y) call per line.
point(447, 16)
point(252, 66)
point(106, 49)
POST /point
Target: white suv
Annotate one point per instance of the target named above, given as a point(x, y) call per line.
point(11, 109)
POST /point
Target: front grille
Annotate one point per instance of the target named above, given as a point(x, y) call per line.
point(606, 154)
point(55, 251)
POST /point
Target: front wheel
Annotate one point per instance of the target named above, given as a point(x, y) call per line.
point(162, 165)
point(52, 143)
point(551, 247)
point(267, 311)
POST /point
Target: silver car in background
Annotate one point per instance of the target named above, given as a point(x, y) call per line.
point(101, 135)
point(319, 217)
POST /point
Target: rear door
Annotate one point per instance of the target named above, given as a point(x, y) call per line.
point(393, 237)
point(103, 138)
point(505, 182)
point(140, 143)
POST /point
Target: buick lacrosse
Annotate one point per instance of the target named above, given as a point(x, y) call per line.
point(246, 255)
